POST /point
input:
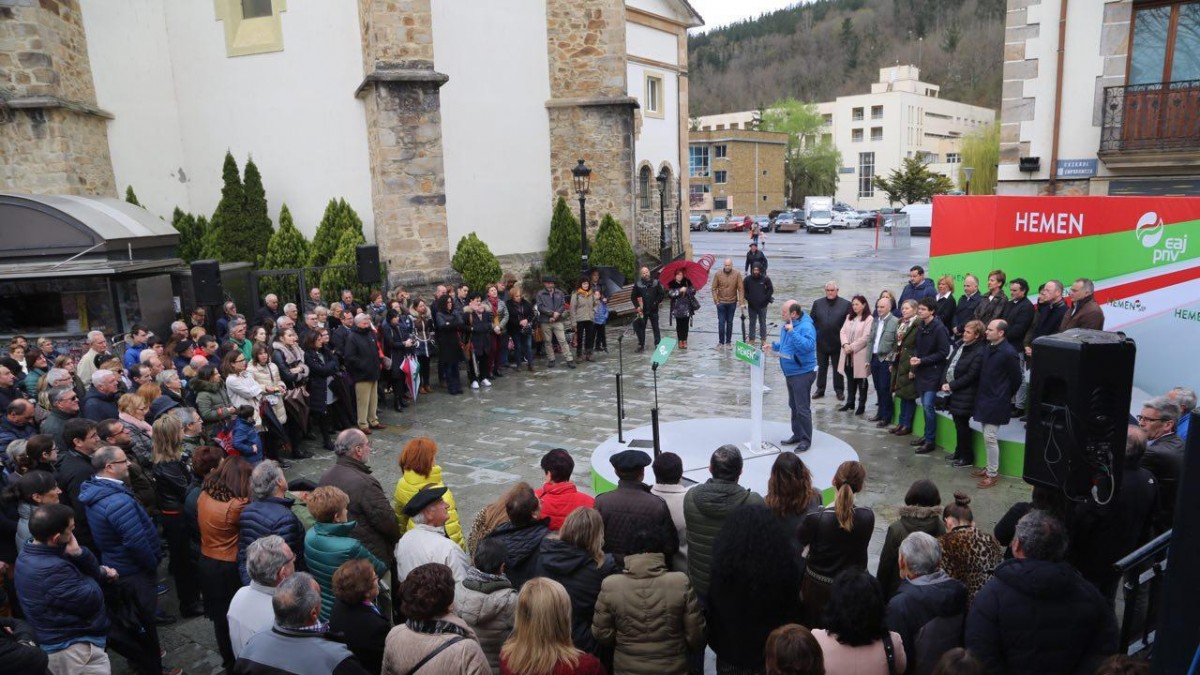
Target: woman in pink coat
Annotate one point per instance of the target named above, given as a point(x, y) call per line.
point(855, 357)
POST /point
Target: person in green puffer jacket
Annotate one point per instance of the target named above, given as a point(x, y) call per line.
point(329, 544)
point(705, 508)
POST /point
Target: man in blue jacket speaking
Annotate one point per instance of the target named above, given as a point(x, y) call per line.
point(797, 351)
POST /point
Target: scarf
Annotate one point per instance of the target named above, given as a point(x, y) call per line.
point(140, 424)
point(902, 329)
point(435, 627)
point(293, 355)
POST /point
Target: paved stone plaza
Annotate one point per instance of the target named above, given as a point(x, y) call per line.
point(493, 437)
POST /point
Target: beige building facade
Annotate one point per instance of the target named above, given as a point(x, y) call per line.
point(1101, 98)
point(736, 172)
point(901, 117)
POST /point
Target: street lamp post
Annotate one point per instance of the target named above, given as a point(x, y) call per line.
point(662, 179)
point(583, 178)
point(968, 171)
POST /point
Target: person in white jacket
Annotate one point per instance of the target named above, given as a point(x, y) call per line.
point(427, 542)
point(668, 472)
point(240, 384)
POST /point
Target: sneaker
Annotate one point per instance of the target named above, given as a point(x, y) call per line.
point(162, 589)
point(487, 382)
point(474, 385)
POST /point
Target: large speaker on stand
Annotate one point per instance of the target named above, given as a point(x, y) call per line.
point(1079, 393)
point(367, 257)
point(206, 283)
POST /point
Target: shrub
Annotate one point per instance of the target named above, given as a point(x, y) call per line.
point(191, 236)
point(130, 196)
point(563, 247)
point(224, 240)
point(475, 262)
point(333, 281)
point(612, 248)
point(287, 249)
point(258, 231)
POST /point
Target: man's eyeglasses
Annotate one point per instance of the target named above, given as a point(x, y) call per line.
point(123, 461)
point(1145, 418)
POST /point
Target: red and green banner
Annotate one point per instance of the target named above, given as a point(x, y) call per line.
point(1142, 252)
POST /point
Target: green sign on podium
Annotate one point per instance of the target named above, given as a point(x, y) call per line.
point(663, 350)
point(747, 352)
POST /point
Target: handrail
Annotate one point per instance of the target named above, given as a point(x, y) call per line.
point(1144, 553)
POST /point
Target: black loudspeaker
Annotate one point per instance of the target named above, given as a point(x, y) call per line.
point(368, 264)
point(206, 283)
point(1079, 391)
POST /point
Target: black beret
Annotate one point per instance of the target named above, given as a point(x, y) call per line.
point(630, 460)
point(423, 498)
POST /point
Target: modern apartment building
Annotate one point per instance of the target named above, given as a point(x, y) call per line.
point(735, 171)
point(1119, 114)
point(901, 117)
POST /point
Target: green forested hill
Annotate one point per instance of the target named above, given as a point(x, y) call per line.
point(819, 50)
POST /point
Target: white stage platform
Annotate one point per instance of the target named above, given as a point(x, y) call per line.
point(695, 440)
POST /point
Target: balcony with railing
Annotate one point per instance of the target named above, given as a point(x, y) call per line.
point(1148, 124)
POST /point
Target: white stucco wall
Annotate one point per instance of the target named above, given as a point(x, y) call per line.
point(131, 69)
point(294, 111)
point(659, 7)
point(495, 129)
point(658, 141)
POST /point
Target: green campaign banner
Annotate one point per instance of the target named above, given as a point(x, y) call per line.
point(747, 352)
point(663, 350)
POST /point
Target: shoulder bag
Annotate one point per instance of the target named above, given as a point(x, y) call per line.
point(429, 657)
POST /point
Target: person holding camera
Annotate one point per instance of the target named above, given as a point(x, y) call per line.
point(959, 386)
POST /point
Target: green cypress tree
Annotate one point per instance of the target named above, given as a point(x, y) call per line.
point(130, 196)
point(206, 234)
point(333, 281)
point(287, 249)
point(612, 248)
point(226, 238)
point(258, 231)
point(329, 231)
point(475, 262)
point(563, 248)
point(191, 247)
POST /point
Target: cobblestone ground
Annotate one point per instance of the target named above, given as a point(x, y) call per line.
point(494, 437)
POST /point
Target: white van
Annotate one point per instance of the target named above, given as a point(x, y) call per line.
point(920, 218)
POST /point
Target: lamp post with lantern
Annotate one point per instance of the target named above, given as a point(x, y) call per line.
point(663, 177)
point(582, 176)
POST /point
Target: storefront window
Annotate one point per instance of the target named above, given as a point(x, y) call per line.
point(64, 306)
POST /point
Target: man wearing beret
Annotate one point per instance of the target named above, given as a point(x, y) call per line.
point(631, 507)
point(427, 542)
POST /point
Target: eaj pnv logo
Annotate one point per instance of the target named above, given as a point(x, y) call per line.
point(1150, 230)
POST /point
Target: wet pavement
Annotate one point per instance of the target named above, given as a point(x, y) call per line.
point(494, 437)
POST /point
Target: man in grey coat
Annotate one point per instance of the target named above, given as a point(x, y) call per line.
point(705, 508)
point(828, 314)
point(552, 309)
point(883, 343)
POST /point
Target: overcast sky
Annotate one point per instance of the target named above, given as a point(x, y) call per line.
point(719, 13)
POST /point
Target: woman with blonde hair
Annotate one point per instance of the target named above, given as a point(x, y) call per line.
point(133, 409)
point(945, 301)
point(540, 643)
point(836, 538)
point(418, 462)
point(172, 482)
point(575, 558)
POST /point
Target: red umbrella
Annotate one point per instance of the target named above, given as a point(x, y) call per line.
point(696, 271)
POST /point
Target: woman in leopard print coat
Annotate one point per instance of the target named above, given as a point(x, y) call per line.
point(968, 554)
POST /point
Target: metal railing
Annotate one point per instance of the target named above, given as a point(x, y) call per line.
point(1162, 117)
point(1142, 575)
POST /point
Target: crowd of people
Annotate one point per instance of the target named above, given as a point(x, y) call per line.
point(175, 448)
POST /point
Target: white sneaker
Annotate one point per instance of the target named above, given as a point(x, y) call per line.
point(474, 385)
point(487, 382)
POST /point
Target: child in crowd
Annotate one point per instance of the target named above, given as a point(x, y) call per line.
point(245, 436)
point(600, 320)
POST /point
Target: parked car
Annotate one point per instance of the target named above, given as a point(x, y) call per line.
point(764, 223)
point(842, 206)
point(737, 224)
point(786, 222)
point(697, 223)
point(846, 219)
point(718, 223)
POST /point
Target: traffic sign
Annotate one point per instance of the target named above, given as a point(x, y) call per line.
point(663, 350)
point(747, 352)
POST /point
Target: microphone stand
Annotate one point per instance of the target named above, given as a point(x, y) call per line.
point(654, 412)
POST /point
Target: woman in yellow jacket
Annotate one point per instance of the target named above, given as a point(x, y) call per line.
point(417, 463)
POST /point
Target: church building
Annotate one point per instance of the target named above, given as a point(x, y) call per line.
point(432, 118)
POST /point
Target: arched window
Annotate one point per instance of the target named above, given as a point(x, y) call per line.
point(644, 187)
